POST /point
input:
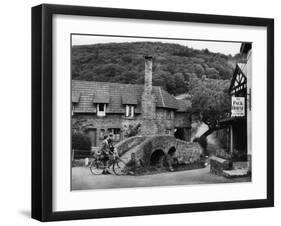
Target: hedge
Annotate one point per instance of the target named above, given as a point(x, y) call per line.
point(80, 141)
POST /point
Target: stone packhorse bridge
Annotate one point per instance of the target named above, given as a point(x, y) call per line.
point(150, 150)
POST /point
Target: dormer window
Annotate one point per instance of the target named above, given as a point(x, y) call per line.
point(101, 99)
point(101, 109)
point(130, 111)
point(129, 100)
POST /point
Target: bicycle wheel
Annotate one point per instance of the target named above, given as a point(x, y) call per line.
point(97, 167)
point(119, 167)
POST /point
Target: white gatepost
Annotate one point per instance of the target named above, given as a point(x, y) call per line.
point(231, 139)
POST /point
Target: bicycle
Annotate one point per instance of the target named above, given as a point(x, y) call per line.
point(97, 165)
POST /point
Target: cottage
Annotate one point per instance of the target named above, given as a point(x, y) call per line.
point(99, 108)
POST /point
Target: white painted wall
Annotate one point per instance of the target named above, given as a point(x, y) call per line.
point(249, 110)
point(15, 90)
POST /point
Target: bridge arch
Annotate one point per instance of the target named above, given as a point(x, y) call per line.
point(157, 157)
point(172, 151)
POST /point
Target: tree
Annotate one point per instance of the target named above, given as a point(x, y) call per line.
point(199, 70)
point(126, 77)
point(180, 83)
point(210, 101)
point(224, 70)
point(165, 80)
point(212, 73)
point(109, 70)
point(158, 79)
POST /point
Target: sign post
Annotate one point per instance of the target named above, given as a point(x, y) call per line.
point(237, 106)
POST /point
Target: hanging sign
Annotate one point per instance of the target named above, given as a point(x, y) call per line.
point(237, 106)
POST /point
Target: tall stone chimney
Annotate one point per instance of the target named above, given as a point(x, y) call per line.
point(148, 101)
point(148, 75)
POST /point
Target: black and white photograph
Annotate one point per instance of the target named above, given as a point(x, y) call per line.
point(142, 112)
point(159, 112)
point(136, 113)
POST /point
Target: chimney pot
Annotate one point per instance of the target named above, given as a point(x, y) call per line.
point(148, 57)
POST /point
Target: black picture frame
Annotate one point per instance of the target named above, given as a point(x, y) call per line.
point(42, 107)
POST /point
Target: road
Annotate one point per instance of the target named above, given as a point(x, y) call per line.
point(83, 179)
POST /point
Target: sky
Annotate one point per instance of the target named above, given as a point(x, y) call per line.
point(213, 46)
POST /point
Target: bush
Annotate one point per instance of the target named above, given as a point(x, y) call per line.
point(132, 130)
point(80, 141)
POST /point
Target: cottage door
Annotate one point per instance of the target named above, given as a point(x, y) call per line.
point(93, 137)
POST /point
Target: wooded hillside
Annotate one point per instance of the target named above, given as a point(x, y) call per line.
point(174, 65)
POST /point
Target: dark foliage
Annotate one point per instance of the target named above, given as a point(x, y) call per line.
point(210, 99)
point(132, 130)
point(80, 141)
point(173, 64)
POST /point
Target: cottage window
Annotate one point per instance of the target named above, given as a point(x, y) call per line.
point(116, 132)
point(130, 111)
point(72, 110)
point(101, 108)
point(169, 115)
point(102, 133)
point(168, 131)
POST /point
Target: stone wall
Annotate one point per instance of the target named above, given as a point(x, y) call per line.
point(100, 124)
point(188, 152)
point(160, 125)
point(218, 165)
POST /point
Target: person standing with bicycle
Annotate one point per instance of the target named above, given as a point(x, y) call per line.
point(107, 151)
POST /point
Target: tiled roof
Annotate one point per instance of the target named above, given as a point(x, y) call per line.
point(116, 94)
point(101, 97)
point(127, 98)
point(164, 99)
